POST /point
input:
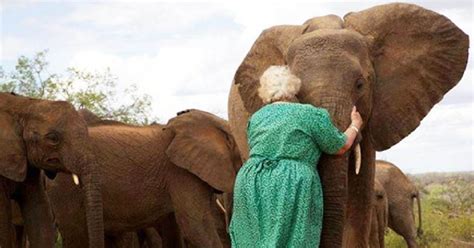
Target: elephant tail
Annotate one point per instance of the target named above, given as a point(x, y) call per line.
point(386, 215)
point(419, 230)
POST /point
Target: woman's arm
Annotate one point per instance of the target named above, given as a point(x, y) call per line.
point(351, 131)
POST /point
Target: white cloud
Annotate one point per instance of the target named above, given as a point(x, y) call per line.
point(180, 72)
point(443, 142)
point(144, 19)
point(11, 47)
point(463, 92)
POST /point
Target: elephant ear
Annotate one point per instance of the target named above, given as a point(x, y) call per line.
point(418, 56)
point(12, 153)
point(203, 145)
point(270, 48)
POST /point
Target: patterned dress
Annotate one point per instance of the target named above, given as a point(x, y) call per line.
point(278, 198)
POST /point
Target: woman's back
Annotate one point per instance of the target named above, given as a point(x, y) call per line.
point(291, 131)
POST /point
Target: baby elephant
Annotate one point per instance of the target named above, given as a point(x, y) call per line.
point(148, 172)
point(401, 193)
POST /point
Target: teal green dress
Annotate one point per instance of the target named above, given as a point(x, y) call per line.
point(278, 199)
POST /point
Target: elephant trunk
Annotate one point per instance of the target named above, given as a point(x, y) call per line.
point(386, 214)
point(333, 172)
point(419, 230)
point(94, 209)
point(82, 163)
point(360, 197)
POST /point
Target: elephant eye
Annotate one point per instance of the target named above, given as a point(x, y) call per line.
point(360, 83)
point(53, 138)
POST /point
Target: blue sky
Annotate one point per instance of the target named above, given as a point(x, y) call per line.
point(185, 54)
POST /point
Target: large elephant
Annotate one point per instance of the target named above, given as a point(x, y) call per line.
point(379, 216)
point(401, 194)
point(48, 135)
point(151, 171)
point(394, 62)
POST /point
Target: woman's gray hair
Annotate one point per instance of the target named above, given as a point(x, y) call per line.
point(277, 83)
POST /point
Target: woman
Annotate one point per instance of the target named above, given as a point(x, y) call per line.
point(278, 198)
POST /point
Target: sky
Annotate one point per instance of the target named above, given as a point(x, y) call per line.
point(185, 54)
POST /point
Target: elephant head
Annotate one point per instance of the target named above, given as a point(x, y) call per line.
point(50, 135)
point(394, 62)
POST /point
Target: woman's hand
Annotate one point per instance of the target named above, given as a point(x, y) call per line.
point(356, 118)
point(352, 130)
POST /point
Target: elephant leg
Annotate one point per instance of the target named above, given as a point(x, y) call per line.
point(36, 211)
point(382, 222)
point(18, 225)
point(410, 236)
point(411, 242)
point(122, 240)
point(20, 236)
point(192, 199)
point(150, 238)
point(403, 224)
point(374, 241)
point(169, 231)
point(6, 234)
point(71, 241)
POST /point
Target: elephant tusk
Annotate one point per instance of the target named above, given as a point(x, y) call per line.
point(220, 206)
point(358, 159)
point(75, 178)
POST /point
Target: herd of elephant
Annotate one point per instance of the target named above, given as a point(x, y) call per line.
point(394, 196)
point(103, 183)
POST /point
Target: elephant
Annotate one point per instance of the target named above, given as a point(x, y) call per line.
point(148, 172)
point(401, 193)
point(394, 62)
point(41, 135)
point(379, 216)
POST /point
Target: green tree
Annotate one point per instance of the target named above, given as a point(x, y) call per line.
point(95, 91)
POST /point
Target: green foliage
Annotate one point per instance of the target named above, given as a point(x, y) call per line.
point(446, 211)
point(95, 91)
